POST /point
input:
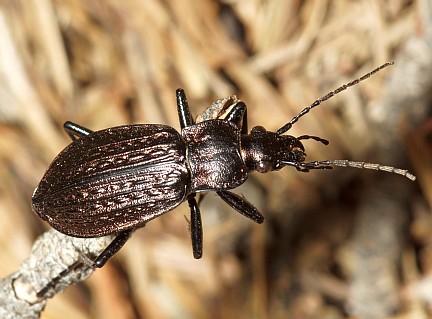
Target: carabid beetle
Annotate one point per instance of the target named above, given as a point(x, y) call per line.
point(116, 180)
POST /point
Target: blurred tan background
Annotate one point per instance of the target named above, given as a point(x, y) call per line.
point(345, 243)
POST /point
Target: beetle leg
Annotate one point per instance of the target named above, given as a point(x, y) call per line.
point(238, 116)
point(241, 205)
point(56, 280)
point(184, 114)
point(196, 227)
point(113, 248)
point(75, 130)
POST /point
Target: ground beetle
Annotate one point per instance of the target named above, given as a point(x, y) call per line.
point(116, 180)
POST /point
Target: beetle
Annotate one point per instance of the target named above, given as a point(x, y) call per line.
point(116, 180)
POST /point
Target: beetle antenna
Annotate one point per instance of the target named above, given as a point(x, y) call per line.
point(346, 163)
point(329, 95)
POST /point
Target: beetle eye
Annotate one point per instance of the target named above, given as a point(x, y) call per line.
point(263, 167)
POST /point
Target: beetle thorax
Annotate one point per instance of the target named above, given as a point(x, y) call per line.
point(213, 155)
point(265, 151)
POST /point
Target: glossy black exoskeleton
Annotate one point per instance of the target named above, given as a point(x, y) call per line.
point(116, 180)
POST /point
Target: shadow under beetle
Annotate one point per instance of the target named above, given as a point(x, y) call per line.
point(116, 180)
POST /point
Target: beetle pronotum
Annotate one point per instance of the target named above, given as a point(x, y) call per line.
point(116, 180)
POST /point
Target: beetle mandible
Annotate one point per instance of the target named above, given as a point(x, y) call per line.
point(116, 180)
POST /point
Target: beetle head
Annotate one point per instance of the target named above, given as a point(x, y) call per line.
point(265, 151)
